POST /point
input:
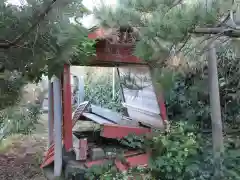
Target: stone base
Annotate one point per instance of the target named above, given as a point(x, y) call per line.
point(49, 174)
point(74, 170)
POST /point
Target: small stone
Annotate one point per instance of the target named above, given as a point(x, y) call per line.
point(111, 155)
point(97, 153)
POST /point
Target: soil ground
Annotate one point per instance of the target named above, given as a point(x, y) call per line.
point(20, 156)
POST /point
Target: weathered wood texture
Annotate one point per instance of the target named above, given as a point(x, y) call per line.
point(142, 104)
point(97, 118)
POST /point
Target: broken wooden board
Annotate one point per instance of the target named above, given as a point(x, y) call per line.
point(142, 105)
point(86, 126)
point(113, 116)
point(106, 113)
point(126, 121)
point(49, 158)
point(143, 110)
point(96, 118)
point(78, 112)
point(145, 116)
point(80, 147)
point(133, 161)
point(96, 163)
point(119, 132)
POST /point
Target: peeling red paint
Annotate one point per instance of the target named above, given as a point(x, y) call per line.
point(133, 161)
point(118, 131)
point(97, 162)
point(49, 158)
point(99, 33)
point(162, 107)
point(67, 117)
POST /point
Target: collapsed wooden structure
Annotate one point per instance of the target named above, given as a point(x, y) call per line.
point(71, 146)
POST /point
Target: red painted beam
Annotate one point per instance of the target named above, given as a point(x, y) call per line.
point(128, 59)
point(162, 107)
point(81, 149)
point(116, 53)
point(97, 162)
point(48, 161)
point(118, 131)
point(49, 157)
point(133, 161)
point(67, 109)
point(99, 33)
point(102, 161)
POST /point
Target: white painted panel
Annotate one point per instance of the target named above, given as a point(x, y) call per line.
point(138, 102)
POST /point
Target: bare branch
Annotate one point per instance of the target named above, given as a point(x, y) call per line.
point(184, 44)
point(212, 39)
point(207, 38)
point(176, 3)
point(209, 30)
point(7, 44)
point(223, 22)
point(206, 49)
point(225, 31)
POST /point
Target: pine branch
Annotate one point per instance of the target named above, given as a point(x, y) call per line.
point(40, 18)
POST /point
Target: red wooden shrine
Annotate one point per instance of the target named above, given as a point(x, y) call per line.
point(107, 54)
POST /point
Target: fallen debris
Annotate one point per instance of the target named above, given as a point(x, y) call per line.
point(96, 139)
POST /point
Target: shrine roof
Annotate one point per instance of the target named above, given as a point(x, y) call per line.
point(110, 54)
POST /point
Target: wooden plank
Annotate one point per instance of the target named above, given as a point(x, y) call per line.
point(143, 110)
point(97, 118)
point(142, 105)
point(126, 121)
point(113, 116)
point(49, 157)
point(86, 126)
point(106, 113)
point(67, 108)
point(118, 132)
point(97, 162)
point(80, 146)
point(102, 161)
point(78, 112)
point(133, 161)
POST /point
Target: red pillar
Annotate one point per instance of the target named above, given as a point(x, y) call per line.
point(67, 109)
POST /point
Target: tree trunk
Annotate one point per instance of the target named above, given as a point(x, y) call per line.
point(217, 134)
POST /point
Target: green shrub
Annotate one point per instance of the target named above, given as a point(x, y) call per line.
point(10, 90)
point(173, 153)
point(180, 154)
point(231, 161)
point(19, 119)
point(187, 94)
point(99, 91)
